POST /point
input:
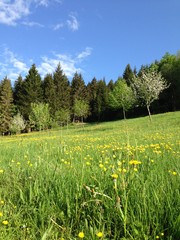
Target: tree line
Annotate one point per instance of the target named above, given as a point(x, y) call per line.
point(34, 103)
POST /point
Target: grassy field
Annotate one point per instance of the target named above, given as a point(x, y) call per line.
point(116, 180)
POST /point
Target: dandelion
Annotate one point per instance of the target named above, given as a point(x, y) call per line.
point(1, 170)
point(157, 237)
point(101, 165)
point(1, 214)
point(174, 173)
point(99, 234)
point(81, 235)
point(134, 162)
point(162, 234)
point(5, 222)
point(2, 202)
point(114, 176)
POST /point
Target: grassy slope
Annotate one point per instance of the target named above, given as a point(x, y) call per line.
point(48, 181)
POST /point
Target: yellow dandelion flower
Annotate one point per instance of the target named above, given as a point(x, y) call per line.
point(114, 175)
point(174, 173)
point(5, 222)
point(157, 237)
point(99, 234)
point(2, 202)
point(134, 162)
point(1, 170)
point(81, 235)
point(1, 214)
point(101, 165)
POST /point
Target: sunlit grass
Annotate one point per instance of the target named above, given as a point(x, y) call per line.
point(117, 180)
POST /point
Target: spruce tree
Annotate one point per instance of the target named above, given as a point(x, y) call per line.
point(6, 105)
point(18, 94)
point(62, 89)
point(128, 74)
point(32, 90)
point(49, 92)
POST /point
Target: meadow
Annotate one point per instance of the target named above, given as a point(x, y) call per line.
point(113, 180)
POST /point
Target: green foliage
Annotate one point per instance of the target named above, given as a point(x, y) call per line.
point(121, 96)
point(32, 90)
point(6, 105)
point(81, 109)
point(40, 117)
point(62, 90)
point(62, 117)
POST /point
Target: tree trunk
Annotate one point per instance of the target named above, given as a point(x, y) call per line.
point(149, 112)
point(124, 114)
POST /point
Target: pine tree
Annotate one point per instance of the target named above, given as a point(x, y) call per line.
point(78, 90)
point(32, 90)
point(6, 105)
point(49, 92)
point(62, 89)
point(18, 94)
point(128, 74)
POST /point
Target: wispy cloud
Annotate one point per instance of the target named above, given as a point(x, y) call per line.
point(58, 26)
point(11, 11)
point(32, 24)
point(73, 23)
point(11, 65)
point(84, 53)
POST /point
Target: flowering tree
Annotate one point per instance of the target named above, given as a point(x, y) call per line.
point(148, 86)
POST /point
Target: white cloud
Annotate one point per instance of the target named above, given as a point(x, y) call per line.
point(13, 65)
point(32, 24)
point(84, 53)
point(58, 26)
point(72, 23)
point(13, 10)
point(10, 12)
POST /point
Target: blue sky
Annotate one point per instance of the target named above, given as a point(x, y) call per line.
point(95, 37)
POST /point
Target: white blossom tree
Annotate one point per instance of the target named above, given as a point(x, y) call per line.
point(148, 86)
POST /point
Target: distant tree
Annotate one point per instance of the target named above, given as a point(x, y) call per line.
point(170, 69)
point(92, 97)
point(40, 117)
point(78, 90)
point(6, 105)
point(19, 94)
point(17, 124)
point(62, 117)
point(49, 94)
point(147, 87)
point(81, 109)
point(62, 90)
point(128, 74)
point(32, 91)
point(101, 100)
point(121, 96)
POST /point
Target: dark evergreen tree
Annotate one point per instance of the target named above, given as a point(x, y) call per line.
point(128, 74)
point(101, 100)
point(92, 98)
point(32, 90)
point(62, 90)
point(18, 94)
point(49, 93)
point(6, 105)
point(78, 90)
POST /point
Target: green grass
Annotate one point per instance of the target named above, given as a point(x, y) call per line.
point(56, 184)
